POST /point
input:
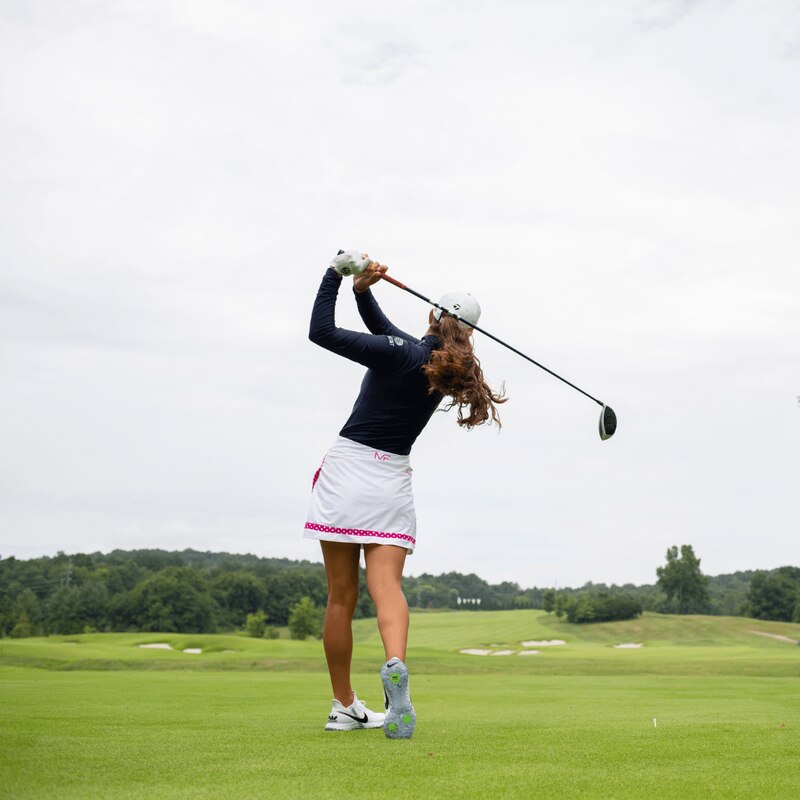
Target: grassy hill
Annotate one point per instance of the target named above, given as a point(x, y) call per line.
point(670, 644)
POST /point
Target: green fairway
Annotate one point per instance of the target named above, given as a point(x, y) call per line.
point(106, 718)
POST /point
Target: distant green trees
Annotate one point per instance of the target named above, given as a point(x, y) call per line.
point(25, 617)
point(305, 619)
point(174, 599)
point(594, 606)
point(683, 583)
point(237, 594)
point(776, 595)
point(449, 588)
point(23, 627)
point(76, 608)
point(193, 591)
point(153, 589)
point(256, 624)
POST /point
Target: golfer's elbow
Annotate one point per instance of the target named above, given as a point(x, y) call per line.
point(320, 334)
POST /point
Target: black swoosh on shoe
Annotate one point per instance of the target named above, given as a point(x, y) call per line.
point(363, 719)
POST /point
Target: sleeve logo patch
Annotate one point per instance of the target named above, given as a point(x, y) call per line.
point(395, 340)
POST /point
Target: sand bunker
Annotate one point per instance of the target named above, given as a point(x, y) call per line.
point(775, 636)
point(479, 652)
point(548, 643)
point(629, 646)
point(194, 651)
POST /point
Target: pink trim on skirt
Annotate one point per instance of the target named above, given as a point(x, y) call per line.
point(313, 526)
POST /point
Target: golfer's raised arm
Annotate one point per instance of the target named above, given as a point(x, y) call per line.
point(376, 321)
point(373, 351)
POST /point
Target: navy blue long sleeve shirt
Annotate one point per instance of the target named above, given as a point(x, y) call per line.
point(394, 403)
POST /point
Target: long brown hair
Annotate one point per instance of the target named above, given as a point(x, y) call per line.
point(454, 371)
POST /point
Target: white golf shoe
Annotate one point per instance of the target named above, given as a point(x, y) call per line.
point(353, 717)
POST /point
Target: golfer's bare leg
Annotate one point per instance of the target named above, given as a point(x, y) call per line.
point(341, 566)
point(384, 572)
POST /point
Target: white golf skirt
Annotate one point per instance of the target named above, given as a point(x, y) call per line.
point(363, 496)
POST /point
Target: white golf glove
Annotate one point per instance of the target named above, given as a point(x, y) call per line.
point(350, 262)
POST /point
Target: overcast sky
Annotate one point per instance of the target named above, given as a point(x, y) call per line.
point(617, 183)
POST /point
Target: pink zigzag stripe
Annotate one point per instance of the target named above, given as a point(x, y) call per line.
point(313, 526)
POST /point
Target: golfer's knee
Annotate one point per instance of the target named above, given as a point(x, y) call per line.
point(386, 593)
point(344, 597)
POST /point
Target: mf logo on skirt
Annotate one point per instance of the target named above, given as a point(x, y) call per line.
point(382, 456)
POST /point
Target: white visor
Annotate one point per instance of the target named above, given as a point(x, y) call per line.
point(461, 305)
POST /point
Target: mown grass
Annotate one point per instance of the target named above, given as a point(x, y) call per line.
point(242, 735)
point(577, 721)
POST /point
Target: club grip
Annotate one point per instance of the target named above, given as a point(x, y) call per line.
point(393, 281)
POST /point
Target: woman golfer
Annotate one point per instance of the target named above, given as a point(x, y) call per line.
point(361, 494)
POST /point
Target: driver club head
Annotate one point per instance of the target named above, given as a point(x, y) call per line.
point(608, 422)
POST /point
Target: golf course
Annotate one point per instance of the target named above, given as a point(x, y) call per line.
point(692, 706)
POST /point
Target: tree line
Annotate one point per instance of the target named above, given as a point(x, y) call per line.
point(196, 592)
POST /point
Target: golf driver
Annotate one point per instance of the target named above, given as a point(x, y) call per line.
point(608, 419)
